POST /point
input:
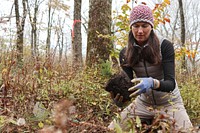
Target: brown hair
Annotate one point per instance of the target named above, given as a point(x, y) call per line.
point(150, 53)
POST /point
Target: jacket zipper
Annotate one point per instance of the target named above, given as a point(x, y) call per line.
point(148, 76)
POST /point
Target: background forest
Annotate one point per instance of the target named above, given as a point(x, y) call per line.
point(54, 63)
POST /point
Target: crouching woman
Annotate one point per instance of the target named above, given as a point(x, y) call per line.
point(151, 59)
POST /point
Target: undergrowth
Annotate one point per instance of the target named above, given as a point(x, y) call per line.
point(190, 91)
point(38, 83)
point(45, 84)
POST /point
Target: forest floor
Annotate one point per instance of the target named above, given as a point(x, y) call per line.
point(51, 100)
point(67, 118)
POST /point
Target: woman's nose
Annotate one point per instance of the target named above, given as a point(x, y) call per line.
point(140, 29)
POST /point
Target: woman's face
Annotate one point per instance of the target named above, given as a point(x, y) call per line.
point(141, 31)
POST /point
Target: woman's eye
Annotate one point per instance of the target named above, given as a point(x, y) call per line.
point(136, 26)
point(145, 26)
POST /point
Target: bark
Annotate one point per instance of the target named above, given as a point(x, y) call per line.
point(33, 22)
point(50, 19)
point(76, 36)
point(20, 22)
point(61, 46)
point(48, 32)
point(183, 62)
point(98, 48)
point(60, 38)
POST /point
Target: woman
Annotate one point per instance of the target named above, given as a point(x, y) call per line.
point(151, 59)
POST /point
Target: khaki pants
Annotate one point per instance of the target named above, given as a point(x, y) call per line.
point(176, 111)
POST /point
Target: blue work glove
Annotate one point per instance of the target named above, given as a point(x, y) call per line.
point(142, 85)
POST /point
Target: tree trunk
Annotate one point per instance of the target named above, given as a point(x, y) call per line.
point(183, 61)
point(48, 40)
point(20, 22)
point(61, 46)
point(76, 36)
point(60, 38)
point(98, 47)
point(48, 32)
point(33, 22)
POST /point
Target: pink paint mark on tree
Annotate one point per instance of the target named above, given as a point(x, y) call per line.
point(74, 23)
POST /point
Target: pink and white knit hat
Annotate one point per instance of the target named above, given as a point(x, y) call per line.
point(141, 13)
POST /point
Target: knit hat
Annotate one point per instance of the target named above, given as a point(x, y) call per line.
point(141, 13)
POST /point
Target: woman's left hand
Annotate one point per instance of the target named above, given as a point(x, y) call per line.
point(141, 87)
